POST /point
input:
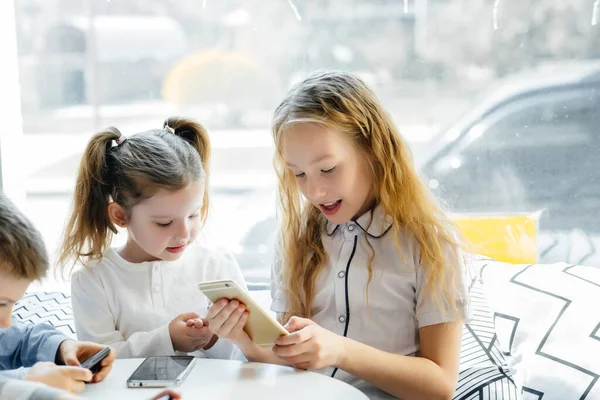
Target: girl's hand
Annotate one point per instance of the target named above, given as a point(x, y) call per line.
point(188, 338)
point(196, 323)
point(226, 319)
point(309, 346)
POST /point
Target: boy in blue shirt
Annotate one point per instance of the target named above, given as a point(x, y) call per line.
point(53, 356)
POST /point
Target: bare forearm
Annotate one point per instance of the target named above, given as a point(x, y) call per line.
point(410, 378)
point(254, 352)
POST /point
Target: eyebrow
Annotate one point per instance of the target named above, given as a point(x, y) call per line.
point(7, 300)
point(323, 157)
point(170, 216)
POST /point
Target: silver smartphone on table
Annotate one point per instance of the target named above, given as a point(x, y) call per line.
point(161, 371)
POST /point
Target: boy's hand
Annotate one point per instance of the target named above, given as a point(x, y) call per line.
point(186, 337)
point(73, 353)
point(71, 379)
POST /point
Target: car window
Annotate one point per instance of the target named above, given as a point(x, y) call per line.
point(536, 157)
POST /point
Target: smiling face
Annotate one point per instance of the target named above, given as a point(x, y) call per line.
point(161, 227)
point(332, 173)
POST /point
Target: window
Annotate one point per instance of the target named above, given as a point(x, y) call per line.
point(531, 155)
point(529, 144)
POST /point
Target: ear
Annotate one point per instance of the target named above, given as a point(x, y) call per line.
point(117, 214)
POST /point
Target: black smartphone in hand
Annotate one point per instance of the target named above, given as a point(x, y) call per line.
point(93, 363)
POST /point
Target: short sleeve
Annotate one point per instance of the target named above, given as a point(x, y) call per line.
point(433, 305)
point(278, 302)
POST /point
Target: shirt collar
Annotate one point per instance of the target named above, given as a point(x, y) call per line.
point(375, 227)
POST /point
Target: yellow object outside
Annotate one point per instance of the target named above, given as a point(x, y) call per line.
point(507, 238)
point(212, 76)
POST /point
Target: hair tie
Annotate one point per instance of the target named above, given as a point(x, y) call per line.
point(121, 140)
point(169, 129)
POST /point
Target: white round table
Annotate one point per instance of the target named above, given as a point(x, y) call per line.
point(225, 379)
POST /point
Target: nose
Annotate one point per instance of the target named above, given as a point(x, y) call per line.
point(315, 190)
point(183, 230)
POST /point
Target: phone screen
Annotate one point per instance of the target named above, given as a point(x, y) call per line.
point(164, 368)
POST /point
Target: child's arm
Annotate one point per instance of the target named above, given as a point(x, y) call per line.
point(254, 352)
point(18, 389)
point(23, 345)
point(431, 375)
point(94, 322)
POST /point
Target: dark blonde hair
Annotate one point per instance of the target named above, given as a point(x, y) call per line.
point(342, 102)
point(128, 171)
point(22, 251)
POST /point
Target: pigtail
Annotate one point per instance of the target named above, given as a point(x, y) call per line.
point(89, 229)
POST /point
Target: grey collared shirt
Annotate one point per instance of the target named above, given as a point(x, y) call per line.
point(397, 305)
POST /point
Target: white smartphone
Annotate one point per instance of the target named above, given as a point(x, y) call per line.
point(161, 371)
point(261, 327)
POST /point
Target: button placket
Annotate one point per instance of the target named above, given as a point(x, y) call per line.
point(156, 286)
point(339, 278)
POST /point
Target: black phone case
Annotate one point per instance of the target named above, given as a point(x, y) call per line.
point(93, 363)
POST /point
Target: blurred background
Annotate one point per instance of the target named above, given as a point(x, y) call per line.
point(500, 100)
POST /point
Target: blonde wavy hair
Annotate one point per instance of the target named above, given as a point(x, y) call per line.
point(342, 102)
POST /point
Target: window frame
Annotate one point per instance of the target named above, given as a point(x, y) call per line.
point(11, 134)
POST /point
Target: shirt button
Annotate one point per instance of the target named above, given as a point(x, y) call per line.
point(342, 318)
point(156, 288)
point(351, 228)
point(341, 274)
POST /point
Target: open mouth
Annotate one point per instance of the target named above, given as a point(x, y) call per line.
point(331, 208)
